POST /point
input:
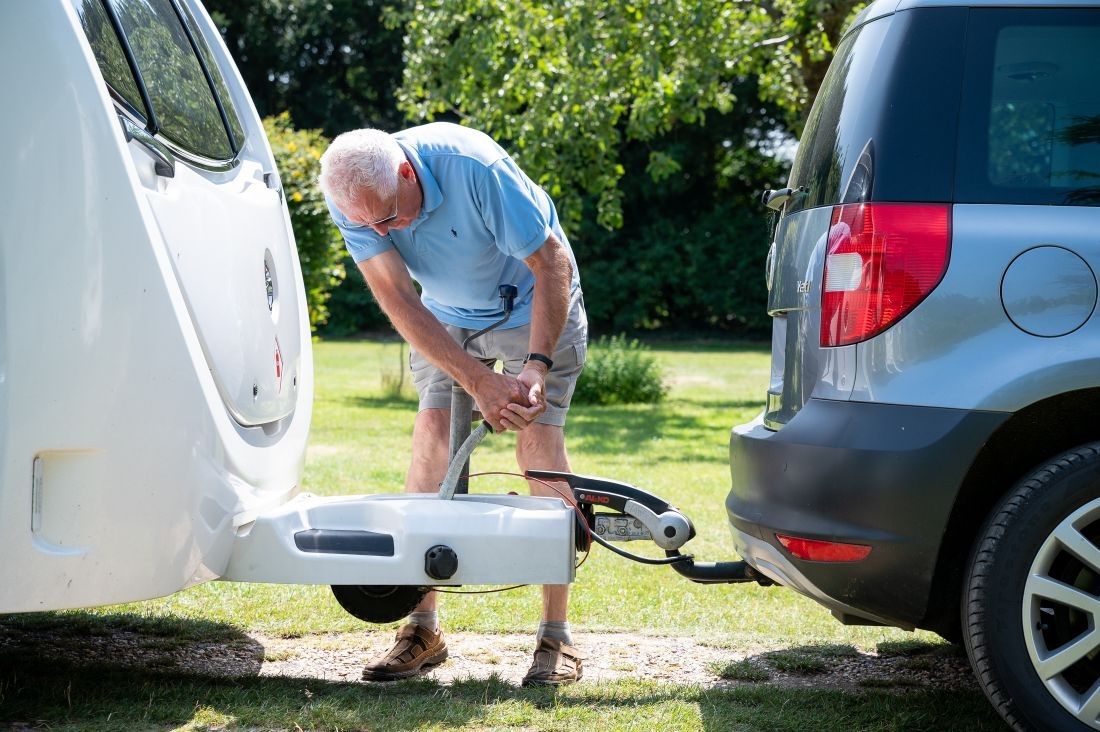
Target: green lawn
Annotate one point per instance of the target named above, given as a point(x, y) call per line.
point(679, 449)
point(117, 699)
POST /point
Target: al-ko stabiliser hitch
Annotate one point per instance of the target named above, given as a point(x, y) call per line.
point(605, 511)
point(631, 514)
point(628, 513)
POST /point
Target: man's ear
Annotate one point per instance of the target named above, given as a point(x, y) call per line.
point(405, 170)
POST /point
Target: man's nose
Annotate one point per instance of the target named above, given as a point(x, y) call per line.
point(381, 229)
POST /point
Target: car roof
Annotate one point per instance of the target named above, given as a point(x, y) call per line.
point(885, 7)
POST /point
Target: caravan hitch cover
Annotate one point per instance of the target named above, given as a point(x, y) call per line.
point(441, 562)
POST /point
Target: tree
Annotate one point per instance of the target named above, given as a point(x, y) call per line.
point(690, 253)
point(652, 123)
point(332, 64)
point(568, 83)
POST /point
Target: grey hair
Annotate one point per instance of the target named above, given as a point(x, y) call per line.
point(359, 159)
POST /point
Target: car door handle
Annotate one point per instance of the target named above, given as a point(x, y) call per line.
point(164, 162)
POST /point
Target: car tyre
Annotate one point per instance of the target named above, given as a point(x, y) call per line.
point(1030, 611)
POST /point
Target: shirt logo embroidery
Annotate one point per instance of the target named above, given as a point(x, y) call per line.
point(454, 233)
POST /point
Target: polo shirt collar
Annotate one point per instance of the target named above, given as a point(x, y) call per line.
point(433, 196)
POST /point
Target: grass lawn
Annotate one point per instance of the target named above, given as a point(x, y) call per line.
point(678, 449)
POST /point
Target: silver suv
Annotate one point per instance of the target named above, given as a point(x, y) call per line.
point(929, 453)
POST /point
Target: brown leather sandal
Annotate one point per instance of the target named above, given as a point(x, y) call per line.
point(414, 651)
point(556, 663)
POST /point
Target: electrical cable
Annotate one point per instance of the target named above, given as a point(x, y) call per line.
point(640, 559)
point(478, 592)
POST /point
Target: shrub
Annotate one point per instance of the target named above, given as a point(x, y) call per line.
point(320, 246)
point(620, 371)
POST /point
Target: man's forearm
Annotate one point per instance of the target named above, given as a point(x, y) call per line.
point(420, 328)
point(550, 304)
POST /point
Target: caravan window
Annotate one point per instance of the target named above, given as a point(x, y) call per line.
point(182, 100)
point(109, 55)
point(236, 131)
point(184, 106)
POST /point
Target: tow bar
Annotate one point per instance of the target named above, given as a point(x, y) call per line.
point(641, 516)
point(605, 511)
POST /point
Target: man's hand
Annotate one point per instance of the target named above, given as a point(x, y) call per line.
point(495, 394)
point(517, 416)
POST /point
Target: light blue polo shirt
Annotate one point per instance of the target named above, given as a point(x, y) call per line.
point(481, 217)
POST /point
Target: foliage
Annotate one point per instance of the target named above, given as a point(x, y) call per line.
point(568, 83)
point(652, 123)
point(797, 662)
point(320, 246)
point(690, 253)
point(352, 308)
point(330, 63)
point(801, 40)
point(620, 371)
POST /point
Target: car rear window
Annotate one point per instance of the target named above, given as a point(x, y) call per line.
point(883, 124)
point(1030, 117)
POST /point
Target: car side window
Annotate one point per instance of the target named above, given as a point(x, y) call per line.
point(190, 103)
point(1030, 120)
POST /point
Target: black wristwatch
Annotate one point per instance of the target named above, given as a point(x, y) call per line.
point(539, 357)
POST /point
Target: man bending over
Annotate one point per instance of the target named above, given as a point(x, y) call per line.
point(445, 206)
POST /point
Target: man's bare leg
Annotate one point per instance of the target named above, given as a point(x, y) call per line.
point(419, 644)
point(542, 447)
point(430, 456)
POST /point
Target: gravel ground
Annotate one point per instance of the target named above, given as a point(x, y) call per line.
point(611, 656)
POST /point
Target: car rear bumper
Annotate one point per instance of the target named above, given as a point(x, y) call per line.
point(876, 474)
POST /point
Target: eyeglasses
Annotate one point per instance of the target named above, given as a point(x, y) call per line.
point(391, 217)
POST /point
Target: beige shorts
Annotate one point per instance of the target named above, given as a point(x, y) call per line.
point(509, 346)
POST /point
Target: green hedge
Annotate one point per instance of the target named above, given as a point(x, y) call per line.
point(620, 371)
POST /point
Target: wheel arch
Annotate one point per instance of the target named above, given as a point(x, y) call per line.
point(1029, 437)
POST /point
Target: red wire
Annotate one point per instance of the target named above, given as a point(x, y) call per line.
point(568, 499)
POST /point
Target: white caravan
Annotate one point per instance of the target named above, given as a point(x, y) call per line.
point(155, 363)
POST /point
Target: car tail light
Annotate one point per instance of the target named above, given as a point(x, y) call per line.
point(815, 550)
point(882, 260)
